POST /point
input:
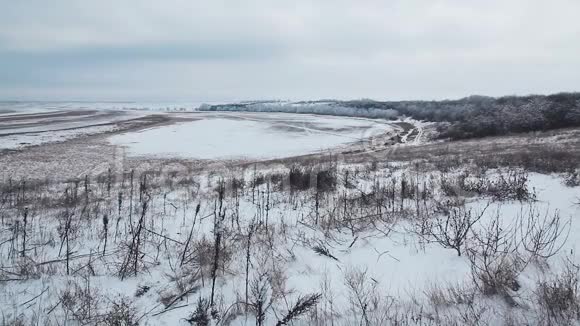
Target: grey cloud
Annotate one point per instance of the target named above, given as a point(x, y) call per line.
point(296, 49)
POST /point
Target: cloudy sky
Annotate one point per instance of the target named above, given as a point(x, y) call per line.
point(189, 50)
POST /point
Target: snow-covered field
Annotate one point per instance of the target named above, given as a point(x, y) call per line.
point(362, 246)
point(26, 125)
point(254, 136)
point(166, 241)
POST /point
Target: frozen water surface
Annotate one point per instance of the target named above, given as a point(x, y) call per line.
point(261, 135)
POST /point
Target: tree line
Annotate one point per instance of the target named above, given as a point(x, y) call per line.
point(470, 117)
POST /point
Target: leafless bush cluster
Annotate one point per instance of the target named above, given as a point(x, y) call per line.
point(450, 295)
point(511, 185)
point(368, 305)
point(121, 313)
point(322, 178)
point(80, 302)
point(503, 185)
point(201, 315)
point(453, 226)
point(559, 297)
point(501, 250)
point(572, 179)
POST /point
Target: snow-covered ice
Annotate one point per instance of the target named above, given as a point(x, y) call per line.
point(249, 136)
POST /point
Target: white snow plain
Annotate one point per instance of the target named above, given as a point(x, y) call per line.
point(249, 135)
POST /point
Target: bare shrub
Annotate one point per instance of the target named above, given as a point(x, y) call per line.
point(499, 252)
point(299, 178)
point(132, 261)
point(121, 313)
point(25, 268)
point(201, 315)
point(458, 185)
point(572, 179)
point(472, 315)
point(363, 295)
point(326, 180)
point(543, 235)
point(450, 295)
point(511, 185)
point(186, 282)
point(559, 297)
point(452, 229)
point(495, 261)
point(142, 290)
point(200, 258)
point(80, 303)
point(499, 278)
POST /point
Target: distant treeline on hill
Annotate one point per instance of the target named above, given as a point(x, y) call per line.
point(470, 117)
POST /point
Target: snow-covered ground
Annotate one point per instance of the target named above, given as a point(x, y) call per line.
point(385, 261)
point(74, 249)
point(256, 136)
point(25, 125)
point(34, 138)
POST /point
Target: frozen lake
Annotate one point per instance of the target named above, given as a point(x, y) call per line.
point(249, 135)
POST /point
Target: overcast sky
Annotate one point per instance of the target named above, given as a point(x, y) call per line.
point(301, 49)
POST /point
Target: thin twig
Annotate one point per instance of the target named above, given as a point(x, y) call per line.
point(169, 309)
point(41, 293)
point(163, 236)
